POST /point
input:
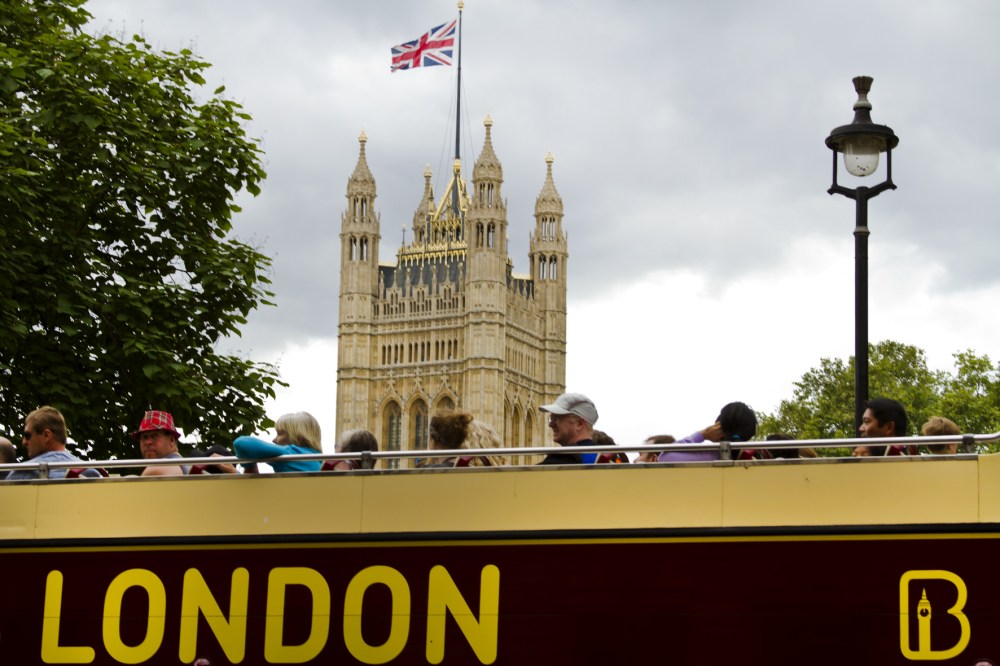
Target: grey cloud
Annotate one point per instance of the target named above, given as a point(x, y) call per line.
point(685, 134)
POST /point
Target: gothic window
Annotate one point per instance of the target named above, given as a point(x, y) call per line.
point(552, 230)
point(479, 234)
point(364, 249)
point(515, 428)
point(489, 195)
point(363, 208)
point(553, 269)
point(445, 404)
point(418, 421)
point(392, 430)
point(354, 248)
point(528, 423)
point(542, 264)
point(491, 233)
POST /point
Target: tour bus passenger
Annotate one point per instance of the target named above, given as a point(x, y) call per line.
point(883, 417)
point(459, 430)
point(939, 425)
point(780, 453)
point(651, 456)
point(447, 431)
point(736, 423)
point(801, 452)
point(352, 441)
point(572, 420)
point(482, 436)
point(214, 451)
point(8, 454)
point(158, 438)
point(297, 433)
point(45, 441)
point(602, 438)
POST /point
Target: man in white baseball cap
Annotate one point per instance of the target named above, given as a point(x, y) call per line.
point(572, 420)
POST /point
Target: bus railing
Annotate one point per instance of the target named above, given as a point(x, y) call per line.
point(727, 451)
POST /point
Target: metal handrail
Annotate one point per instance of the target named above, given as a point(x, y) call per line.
point(725, 449)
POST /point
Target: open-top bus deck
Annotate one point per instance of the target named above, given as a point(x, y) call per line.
point(819, 561)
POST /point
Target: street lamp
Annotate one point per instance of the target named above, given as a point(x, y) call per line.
point(861, 142)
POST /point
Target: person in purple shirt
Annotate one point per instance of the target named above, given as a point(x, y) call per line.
point(736, 423)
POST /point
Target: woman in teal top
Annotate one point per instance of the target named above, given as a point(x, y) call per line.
point(297, 433)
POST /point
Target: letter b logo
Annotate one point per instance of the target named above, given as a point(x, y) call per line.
point(923, 609)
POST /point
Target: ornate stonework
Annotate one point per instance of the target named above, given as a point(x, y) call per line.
point(449, 324)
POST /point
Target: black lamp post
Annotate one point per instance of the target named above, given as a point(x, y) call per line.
point(861, 142)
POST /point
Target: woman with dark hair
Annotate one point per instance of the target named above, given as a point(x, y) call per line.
point(352, 441)
point(735, 423)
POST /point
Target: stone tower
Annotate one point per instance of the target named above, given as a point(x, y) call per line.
point(486, 288)
point(448, 324)
point(359, 237)
point(548, 252)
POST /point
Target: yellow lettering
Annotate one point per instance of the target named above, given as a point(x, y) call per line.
point(231, 633)
point(52, 652)
point(443, 596)
point(275, 651)
point(399, 631)
point(150, 582)
point(924, 610)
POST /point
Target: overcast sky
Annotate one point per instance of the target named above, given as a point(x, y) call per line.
point(707, 262)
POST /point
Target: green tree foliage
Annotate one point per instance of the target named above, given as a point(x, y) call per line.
point(822, 406)
point(118, 276)
point(971, 397)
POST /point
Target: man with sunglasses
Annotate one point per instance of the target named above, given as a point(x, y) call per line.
point(45, 440)
point(572, 420)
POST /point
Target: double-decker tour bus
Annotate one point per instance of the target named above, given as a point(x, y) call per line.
point(803, 561)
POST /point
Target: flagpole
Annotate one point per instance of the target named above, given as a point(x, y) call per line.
point(458, 109)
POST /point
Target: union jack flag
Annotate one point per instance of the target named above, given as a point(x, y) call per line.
point(433, 48)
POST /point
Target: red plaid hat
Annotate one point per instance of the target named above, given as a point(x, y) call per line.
point(156, 420)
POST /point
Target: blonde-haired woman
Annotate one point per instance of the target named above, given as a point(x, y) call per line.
point(297, 433)
point(483, 436)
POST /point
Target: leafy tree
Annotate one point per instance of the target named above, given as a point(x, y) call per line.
point(972, 397)
point(822, 406)
point(119, 276)
point(823, 403)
